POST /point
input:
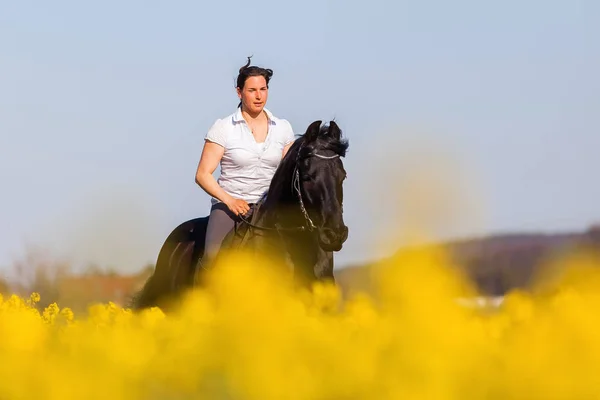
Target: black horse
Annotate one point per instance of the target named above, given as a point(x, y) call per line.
point(299, 219)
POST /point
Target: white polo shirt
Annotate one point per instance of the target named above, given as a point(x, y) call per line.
point(247, 167)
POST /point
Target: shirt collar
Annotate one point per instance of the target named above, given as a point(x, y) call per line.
point(237, 116)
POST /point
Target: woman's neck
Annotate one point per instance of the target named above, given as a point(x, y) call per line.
point(251, 116)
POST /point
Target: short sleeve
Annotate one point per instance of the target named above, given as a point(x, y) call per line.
point(216, 134)
point(288, 135)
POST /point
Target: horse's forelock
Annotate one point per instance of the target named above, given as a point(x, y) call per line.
point(327, 142)
point(340, 147)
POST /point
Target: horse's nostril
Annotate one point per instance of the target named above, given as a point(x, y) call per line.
point(333, 239)
point(335, 235)
point(329, 234)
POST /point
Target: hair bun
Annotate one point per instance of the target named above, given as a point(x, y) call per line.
point(246, 66)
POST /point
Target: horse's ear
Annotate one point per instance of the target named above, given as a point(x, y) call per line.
point(334, 130)
point(312, 132)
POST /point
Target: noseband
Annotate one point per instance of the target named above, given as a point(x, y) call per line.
point(296, 185)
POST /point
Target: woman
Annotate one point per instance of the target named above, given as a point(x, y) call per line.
point(249, 145)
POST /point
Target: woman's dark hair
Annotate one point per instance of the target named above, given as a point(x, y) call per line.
point(247, 71)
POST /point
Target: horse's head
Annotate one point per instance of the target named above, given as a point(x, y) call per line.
point(318, 182)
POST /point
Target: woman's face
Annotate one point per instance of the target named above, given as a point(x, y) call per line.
point(254, 95)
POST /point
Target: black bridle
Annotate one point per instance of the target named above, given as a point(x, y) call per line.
point(296, 185)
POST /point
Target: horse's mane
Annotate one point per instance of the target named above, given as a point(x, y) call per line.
point(281, 181)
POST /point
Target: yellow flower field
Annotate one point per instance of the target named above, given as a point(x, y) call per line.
point(250, 336)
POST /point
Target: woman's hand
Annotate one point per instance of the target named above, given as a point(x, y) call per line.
point(237, 206)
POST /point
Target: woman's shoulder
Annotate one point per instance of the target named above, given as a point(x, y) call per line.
point(220, 129)
point(275, 118)
point(284, 123)
point(280, 123)
point(283, 129)
point(224, 122)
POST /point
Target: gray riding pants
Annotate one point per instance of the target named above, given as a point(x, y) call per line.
point(220, 221)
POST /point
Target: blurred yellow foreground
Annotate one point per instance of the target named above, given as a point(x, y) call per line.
point(249, 335)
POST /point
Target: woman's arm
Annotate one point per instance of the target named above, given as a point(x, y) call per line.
point(209, 160)
point(289, 138)
point(285, 150)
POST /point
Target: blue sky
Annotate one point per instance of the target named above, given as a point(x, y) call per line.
point(464, 117)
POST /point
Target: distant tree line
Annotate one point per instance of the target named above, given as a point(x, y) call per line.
point(496, 264)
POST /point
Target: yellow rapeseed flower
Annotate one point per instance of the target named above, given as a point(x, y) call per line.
point(251, 335)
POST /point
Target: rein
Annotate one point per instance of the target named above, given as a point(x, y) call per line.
point(296, 185)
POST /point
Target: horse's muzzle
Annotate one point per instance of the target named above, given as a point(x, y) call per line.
point(332, 239)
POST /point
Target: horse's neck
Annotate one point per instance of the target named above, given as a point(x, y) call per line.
point(280, 207)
